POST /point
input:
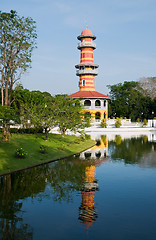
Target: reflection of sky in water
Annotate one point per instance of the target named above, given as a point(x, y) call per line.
point(91, 197)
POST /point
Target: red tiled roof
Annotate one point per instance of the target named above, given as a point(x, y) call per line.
point(88, 94)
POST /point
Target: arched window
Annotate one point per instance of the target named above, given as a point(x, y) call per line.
point(97, 103)
point(83, 82)
point(104, 115)
point(87, 103)
point(98, 154)
point(104, 103)
point(97, 115)
point(87, 154)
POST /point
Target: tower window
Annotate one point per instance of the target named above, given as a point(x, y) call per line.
point(83, 82)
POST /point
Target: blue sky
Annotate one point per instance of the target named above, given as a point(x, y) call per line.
point(126, 41)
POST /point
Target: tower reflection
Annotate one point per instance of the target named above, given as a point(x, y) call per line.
point(92, 158)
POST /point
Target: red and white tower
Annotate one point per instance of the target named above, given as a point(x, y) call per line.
point(87, 70)
point(95, 103)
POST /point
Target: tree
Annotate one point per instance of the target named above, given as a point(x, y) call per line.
point(69, 114)
point(128, 101)
point(36, 109)
point(17, 40)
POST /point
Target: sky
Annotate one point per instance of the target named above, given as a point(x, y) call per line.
point(126, 41)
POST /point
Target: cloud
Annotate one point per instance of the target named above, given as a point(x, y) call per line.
point(63, 7)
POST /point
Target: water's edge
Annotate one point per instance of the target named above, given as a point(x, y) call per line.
point(42, 163)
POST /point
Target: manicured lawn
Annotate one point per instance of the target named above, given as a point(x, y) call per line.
point(57, 147)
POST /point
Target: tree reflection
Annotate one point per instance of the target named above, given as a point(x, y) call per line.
point(134, 150)
point(11, 222)
point(58, 180)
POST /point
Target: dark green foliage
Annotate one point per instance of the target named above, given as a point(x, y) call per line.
point(128, 100)
point(68, 114)
point(41, 110)
point(87, 122)
point(26, 130)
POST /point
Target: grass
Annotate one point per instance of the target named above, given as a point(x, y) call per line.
point(56, 147)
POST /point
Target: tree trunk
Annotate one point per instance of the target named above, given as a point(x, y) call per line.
point(6, 133)
point(6, 94)
point(46, 133)
point(6, 127)
point(63, 131)
point(2, 95)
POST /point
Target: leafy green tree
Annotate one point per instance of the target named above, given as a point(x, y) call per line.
point(17, 40)
point(69, 114)
point(128, 101)
point(36, 109)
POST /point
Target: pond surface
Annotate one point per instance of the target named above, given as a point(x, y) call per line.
point(107, 192)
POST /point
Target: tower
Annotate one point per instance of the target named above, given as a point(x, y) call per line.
point(95, 103)
point(86, 69)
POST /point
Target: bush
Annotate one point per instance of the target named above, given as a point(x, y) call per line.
point(26, 130)
point(144, 122)
point(138, 120)
point(20, 153)
point(43, 149)
point(103, 123)
point(118, 123)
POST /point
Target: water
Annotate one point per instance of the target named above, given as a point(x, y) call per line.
point(108, 192)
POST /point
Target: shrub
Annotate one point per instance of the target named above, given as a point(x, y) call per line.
point(43, 149)
point(138, 120)
point(144, 122)
point(118, 123)
point(20, 153)
point(103, 123)
point(26, 130)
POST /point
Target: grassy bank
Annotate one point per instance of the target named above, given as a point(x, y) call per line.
point(56, 147)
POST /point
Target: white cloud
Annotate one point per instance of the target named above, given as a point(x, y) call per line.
point(63, 7)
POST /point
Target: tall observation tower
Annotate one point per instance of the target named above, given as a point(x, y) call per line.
point(87, 70)
point(95, 103)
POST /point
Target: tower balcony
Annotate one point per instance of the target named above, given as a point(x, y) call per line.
point(86, 71)
point(86, 44)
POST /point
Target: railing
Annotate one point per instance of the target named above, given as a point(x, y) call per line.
point(87, 71)
point(86, 44)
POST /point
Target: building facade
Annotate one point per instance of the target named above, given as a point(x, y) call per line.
point(95, 104)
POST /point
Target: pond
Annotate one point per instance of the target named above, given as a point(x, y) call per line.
point(107, 192)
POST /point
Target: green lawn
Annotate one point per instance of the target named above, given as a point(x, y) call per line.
point(57, 147)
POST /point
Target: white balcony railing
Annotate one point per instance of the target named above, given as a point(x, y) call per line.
point(86, 44)
point(86, 71)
